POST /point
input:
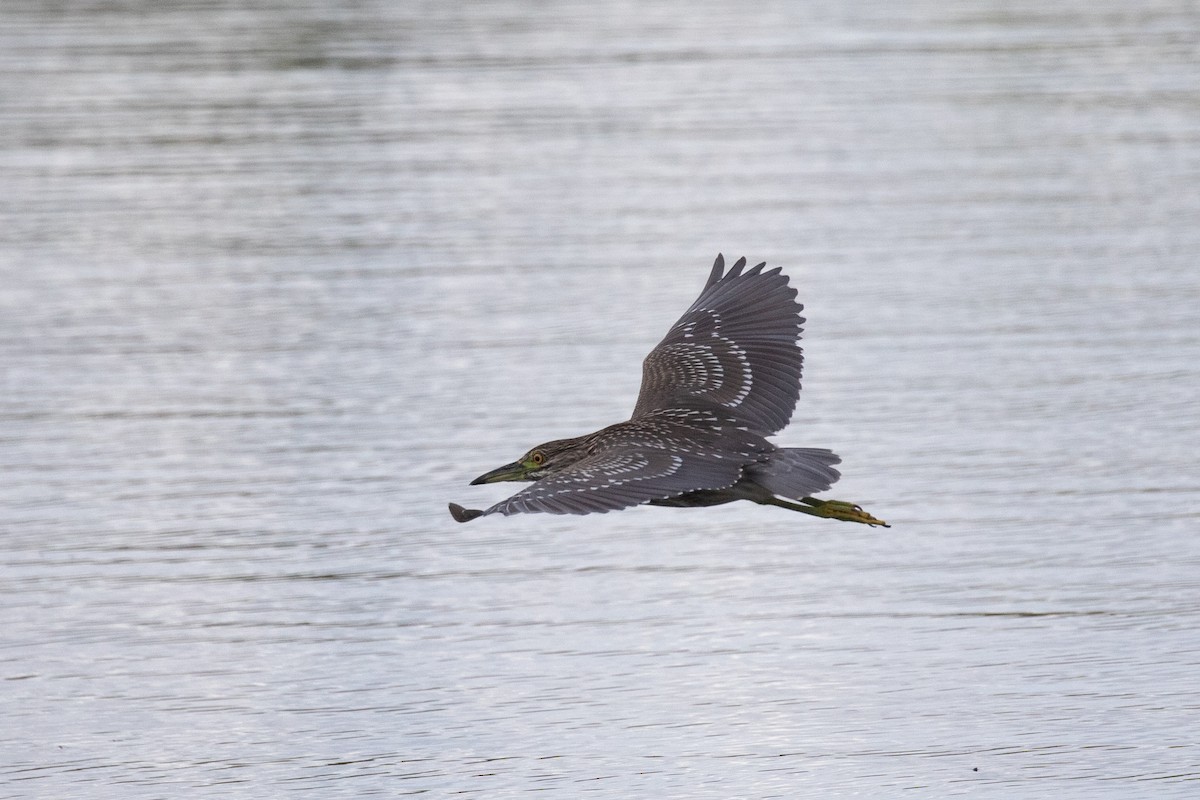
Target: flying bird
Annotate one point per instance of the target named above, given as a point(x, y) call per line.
point(725, 377)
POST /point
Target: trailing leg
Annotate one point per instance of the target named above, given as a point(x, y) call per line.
point(828, 509)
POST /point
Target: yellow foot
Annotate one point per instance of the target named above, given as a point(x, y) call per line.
point(837, 509)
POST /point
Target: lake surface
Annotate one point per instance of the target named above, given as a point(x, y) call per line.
point(278, 280)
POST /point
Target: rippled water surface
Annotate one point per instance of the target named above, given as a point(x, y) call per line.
point(278, 280)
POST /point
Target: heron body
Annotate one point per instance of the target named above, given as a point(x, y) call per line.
point(723, 379)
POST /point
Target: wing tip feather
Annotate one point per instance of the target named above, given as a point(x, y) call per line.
point(718, 269)
point(461, 514)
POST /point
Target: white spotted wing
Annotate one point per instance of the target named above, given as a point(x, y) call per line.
point(736, 348)
point(664, 454)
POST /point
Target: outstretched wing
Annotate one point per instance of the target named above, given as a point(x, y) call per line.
point(664, 454)
point(618, 478)
point(736, 347)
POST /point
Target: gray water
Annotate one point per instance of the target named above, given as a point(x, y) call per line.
point(278, 281)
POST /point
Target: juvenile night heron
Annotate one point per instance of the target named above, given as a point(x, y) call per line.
point(726, 376)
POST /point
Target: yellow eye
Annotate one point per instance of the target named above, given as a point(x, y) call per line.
point(538, 459)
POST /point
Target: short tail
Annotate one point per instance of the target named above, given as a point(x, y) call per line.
point(796, 472)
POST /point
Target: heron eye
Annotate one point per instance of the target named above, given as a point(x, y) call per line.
point(538, 459)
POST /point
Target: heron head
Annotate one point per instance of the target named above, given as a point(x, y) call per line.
point(542, 460)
